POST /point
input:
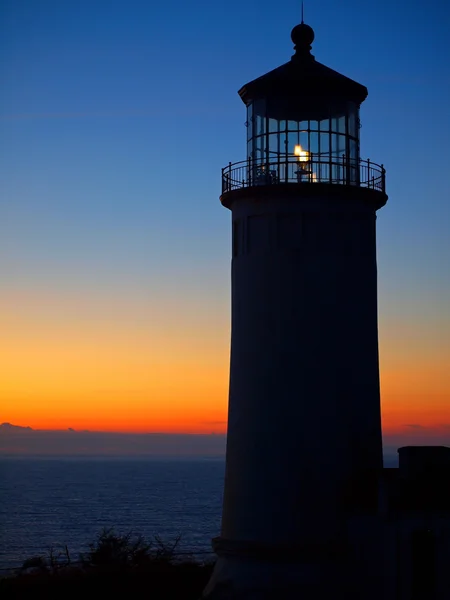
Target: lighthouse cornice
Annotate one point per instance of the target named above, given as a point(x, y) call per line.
point(311, 192)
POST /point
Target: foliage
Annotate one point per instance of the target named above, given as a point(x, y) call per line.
point(116, 551)
point(113, 550)
point(48, 563)
point(114, 565)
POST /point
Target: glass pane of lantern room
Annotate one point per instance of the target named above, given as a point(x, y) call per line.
point(324, 124)
point(334, 124)
point(351, 125)
point(324, 156)
point(337, 145)
point(314, 142)
point(338, 157)
point(324, 144)
point(260, 125)
point(259, 114)
point(353, 162)
point(258, 149)
point(314, 150)
point(353, 122)
point(293, 140)
point(274, 147)
point(283, 150)
point(314, 136)
point(305, 156)
point(304, 140)
point(283, 140)
point(273, 125)
point(273, 141)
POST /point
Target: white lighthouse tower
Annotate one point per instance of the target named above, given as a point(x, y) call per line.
point(304, 429)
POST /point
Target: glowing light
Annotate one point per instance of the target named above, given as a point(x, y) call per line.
point(303, 155)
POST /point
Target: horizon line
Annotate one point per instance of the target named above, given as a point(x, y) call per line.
point(6, 425)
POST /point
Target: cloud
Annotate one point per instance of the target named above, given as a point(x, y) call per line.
point(23, 441)
point(415, 426)
point(10, 428)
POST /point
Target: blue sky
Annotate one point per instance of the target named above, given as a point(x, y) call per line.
point(116, 118)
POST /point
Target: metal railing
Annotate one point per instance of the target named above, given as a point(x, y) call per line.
point(316, 169)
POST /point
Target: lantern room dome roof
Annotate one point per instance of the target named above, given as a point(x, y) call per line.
point(303, 77)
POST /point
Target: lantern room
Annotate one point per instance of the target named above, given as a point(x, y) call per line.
point(303, 126)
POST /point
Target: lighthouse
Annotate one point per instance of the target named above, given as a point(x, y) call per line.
point(304, 440)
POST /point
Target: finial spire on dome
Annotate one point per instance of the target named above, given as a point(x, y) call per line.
point(303, 36)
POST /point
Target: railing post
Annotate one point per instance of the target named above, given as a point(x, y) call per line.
point(368, 172)
point(383, 172)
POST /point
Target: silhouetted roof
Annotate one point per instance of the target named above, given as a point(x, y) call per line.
point(303, 76)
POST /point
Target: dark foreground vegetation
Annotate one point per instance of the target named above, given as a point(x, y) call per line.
point(116, 566)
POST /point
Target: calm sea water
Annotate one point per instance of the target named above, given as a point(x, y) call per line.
point(52, 502)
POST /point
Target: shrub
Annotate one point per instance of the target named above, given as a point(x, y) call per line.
point(113, 550)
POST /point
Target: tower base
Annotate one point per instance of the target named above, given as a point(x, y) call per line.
point(245, 572)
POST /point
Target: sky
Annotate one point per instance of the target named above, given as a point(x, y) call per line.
point(115, 121)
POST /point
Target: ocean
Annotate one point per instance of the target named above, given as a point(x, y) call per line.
point(49, 502)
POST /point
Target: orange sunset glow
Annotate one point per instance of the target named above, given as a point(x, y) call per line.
point(106, 373)
point(107, 365)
